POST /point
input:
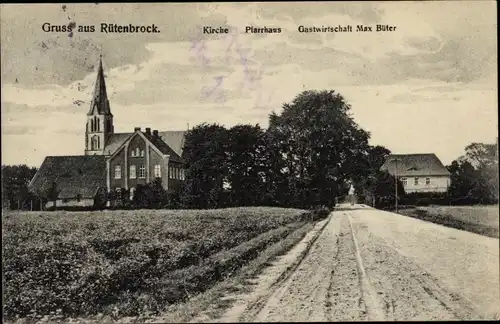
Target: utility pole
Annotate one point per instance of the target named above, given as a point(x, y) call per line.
point(396, 184)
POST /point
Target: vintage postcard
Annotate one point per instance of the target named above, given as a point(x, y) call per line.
point(249, 161)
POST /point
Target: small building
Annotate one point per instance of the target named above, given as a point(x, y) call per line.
point(75, 179)
point(418, 172)
point(111, 161)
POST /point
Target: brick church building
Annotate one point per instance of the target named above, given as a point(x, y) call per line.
point(111, 161)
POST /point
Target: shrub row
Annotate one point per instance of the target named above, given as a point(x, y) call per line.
point(425, 198)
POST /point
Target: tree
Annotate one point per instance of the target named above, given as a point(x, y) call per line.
point(319, 145)
point(15, 180)
point(247, 167)
point(367, 170)
point(462, 175)
point(474, 176)
point(151, 195)
point(384, 189)
point(206, 156)
point(481, 155)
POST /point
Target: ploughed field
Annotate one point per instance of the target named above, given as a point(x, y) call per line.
point(482, 220)
point(127, 263)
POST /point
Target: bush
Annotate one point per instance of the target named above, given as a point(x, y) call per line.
point(425, 199)
point(321, 212)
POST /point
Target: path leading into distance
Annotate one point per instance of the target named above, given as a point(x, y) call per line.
point(369, 264)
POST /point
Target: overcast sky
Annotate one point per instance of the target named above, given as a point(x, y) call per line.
point(428, 86)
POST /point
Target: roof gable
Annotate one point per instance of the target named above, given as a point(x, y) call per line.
point(156, 142)
point(170, 142)
point(414, 165)
point(80, 175)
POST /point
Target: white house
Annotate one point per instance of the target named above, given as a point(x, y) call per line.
point(418, 172)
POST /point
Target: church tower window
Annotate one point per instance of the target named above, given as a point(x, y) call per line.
point(95, 143)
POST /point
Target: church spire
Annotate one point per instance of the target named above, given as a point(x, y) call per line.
point(100, 98)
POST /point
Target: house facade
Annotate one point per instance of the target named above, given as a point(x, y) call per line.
point(418, 172)
point(111, 161)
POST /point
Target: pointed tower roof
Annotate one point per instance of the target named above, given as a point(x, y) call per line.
point(100, 98)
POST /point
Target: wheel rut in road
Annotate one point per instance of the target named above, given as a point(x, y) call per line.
point(351, 274)
point(405, 290)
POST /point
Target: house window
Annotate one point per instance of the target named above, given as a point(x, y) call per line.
point(118, 172)
point(137, 152)
point(404, 181)
point(157, 171)
point(416, 182)
point(170, 173)
point(132, 192)
point(132, 153)
point(182, 174)
point(132, 172)
point(142, 172)
point(427, 181)
point(142, 152)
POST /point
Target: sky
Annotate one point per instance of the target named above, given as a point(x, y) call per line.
point(429, 86)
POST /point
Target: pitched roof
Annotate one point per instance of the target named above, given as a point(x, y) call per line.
point(173, 139)
point(163, 147)
point(100, 97)
point(414, 165)
point(115, 141)
point(74, 175)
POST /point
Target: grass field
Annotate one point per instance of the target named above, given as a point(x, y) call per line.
point(482, 220)
point(126, 263)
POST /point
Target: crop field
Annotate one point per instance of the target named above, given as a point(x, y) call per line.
point(129, 262)
point(482, 220)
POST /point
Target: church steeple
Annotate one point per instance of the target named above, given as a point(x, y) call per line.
point(100, 98)
point(99, 126)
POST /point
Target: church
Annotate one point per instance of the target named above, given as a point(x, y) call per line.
point(111, 161)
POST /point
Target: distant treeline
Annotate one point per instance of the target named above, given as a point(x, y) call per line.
point(309, 156)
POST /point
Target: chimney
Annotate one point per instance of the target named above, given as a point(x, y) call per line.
point(137, 129)
point(148, 131)
point(155, 133)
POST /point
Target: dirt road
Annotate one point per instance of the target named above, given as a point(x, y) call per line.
point(372, 265)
